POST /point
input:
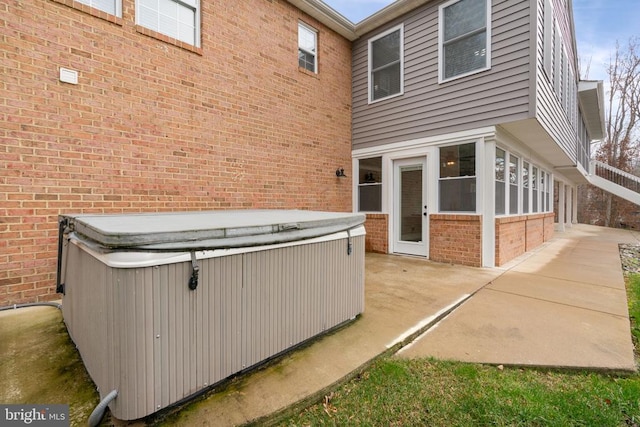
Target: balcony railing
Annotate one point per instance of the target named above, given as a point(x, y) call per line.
point(614, 175)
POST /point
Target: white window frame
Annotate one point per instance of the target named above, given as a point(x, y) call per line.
point(302, 25)
point(95, 4)
point(191, 4)
point(359, 185)
point(504, 182)
point(557, 57)
point(542, 186)
point(399, 28)
point(441, 78)
point(459, 177)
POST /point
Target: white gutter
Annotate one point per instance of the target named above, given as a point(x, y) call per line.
point(329, 17)
point(347, 29)
point(388, 14)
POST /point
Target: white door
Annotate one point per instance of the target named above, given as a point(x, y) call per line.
point(410, 207)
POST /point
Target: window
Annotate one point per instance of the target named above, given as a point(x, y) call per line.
point(557, 58)
point(464, 37)
point(112, 7)
point(513, 184)
point(525, 187)
point(458, 178)
point(548, 37)
point(178, 19)
point(370, 185)
point(307, 48)
point(386, 65)
point(546, 190)
point(534, 189)
point(500, 181)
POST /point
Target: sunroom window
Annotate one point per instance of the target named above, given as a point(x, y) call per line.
point(525, 187)
point(464, 37)
point(385, 65)
point(457, 183)
point(534, 189)
point(370, 185)
point(514, 178)
point(500, 181)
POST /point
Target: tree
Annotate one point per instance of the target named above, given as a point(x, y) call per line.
point(621, 145)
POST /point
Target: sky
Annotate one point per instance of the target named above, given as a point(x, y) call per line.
point(599, 24)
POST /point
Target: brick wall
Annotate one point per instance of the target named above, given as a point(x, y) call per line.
point(549, 226)
point(377, 240)
point(511, 238)
point(535, 231)
point(516, 235)
point(456, 239)
point(155, 125)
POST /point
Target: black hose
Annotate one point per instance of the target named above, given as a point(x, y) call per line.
point(62, 225)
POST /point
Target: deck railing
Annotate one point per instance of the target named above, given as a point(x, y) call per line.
point(615, 175)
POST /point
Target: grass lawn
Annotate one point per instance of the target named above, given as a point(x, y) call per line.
point(394, 392)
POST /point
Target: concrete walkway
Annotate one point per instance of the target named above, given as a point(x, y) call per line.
point(562, 305)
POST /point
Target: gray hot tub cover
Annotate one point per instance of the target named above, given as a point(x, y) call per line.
point(204, 230)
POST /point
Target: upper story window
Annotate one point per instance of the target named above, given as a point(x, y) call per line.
point(179, 19)
point(307, 48)
point(386, 64)
point(549, 26)
point(112, 7)
point(465, 33)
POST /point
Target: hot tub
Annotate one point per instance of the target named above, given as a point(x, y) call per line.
point(163, 306)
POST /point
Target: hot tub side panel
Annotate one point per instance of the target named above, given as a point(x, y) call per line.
point(294, 293)
point(159, 342)
point(86, 311)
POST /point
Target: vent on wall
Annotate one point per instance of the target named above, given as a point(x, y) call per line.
point(68, 76)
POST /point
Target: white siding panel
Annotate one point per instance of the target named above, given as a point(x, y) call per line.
point(549, 110)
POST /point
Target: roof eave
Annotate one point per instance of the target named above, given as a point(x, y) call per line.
point(388, 14)
point(591, 99)
point(329, 17)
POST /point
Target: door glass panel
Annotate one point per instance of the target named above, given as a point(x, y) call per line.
point(411, 203)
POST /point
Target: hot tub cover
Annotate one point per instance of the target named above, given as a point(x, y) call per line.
point(206, 229)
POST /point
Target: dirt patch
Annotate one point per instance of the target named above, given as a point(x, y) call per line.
point(40, 364)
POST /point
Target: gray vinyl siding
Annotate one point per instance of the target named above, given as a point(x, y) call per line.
point(549, 110)
point(142, 332)
point(427, 108)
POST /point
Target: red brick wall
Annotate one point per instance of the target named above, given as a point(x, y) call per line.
point(535, 231)
point(510, 238)
point(456, 239)
point(377, 240)
point(156, 126)
point(516, 235)
point(549, 226)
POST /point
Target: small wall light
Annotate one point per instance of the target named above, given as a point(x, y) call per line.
point(340, 173)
